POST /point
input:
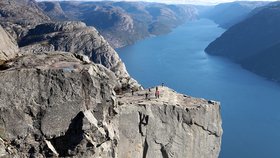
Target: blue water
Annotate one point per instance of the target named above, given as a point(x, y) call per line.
point(250, 104)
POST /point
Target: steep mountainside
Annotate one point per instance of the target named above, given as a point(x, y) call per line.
point(265, 63)
point(123, 23)
point(253, 42)
point(74, 37)
point(53, 9)
point(228, 14)
point(17, 16)
point(21, 11)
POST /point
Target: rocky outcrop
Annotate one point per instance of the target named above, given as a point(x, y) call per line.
point(8, 49)
point(174, 125)
point(56, 105)
point(76, 37)
point(36, 33)
point(53, 104)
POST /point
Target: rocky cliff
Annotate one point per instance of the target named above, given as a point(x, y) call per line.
point(56, 105)
point(53, 104)
point(122, 23)
point(76, 37)
point(39, 34)
point(64, 94)
point(174, 125)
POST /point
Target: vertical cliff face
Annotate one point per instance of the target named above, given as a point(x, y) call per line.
point(8, 49)
point(174, 125)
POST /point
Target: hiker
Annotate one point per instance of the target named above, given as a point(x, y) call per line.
point(157, 93)
point(132, 91)
point(149, 89)
point(146, 94)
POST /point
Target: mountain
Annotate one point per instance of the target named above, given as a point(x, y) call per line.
point(53, 10)
point(21, 11)
point(265, 63)
point(228, 14)
point(17, 16)
point(253, 42)
point(122, 23)
point(76, 37)
point(66, 93)
point(39, 34)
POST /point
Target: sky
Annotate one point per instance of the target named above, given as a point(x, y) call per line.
point(170, 1)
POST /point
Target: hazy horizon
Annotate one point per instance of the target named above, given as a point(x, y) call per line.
point(206, 2)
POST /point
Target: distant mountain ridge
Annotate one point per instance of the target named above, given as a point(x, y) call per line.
point(254, 42)
point(122, 23)
point(228, 14)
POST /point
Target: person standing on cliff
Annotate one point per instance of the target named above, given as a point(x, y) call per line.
point(157, 93)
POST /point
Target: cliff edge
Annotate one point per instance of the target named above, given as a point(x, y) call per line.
point(54, 104)
point(174, 125)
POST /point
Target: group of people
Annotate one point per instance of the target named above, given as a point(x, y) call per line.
point(157, 93)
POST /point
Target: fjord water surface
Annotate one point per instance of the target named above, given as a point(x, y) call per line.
point(250, 104)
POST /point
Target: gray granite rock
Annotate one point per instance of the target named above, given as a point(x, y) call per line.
point(55, 104)
point(174, 125)
point(8, 49)
point(76, 37)
point(43, 99)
